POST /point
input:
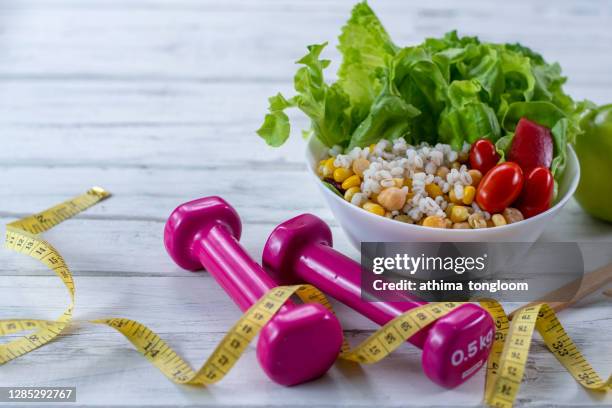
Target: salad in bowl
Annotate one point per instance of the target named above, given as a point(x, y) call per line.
point(450, 134)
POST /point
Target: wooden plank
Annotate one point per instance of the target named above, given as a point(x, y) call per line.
point(102, 124)
point(158, 101)
point(193, 40)
point(126, 248)
point(106, 370)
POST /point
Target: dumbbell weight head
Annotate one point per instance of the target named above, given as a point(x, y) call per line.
point(190, 221)
point(300, 342)
point(455, 346)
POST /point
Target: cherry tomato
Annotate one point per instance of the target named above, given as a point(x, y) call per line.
point(500, 187)
point(537, 194)
point(483, 155)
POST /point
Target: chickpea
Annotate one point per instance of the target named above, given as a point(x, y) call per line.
point(360, 165)
point(442, 172)
point(392, 198)
point(477, 220)
point(461, 225)
point(476, 176)
point(512, 215)
point(498, 220)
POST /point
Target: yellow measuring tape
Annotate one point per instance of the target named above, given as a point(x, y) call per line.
point(505, 367)
point(506, 364)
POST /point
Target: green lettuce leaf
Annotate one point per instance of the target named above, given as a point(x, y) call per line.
point(389, 118)
point(366, 47)
point(420, 81)
point(560, 133)
point(275, 129)
point(466, 118)
point(503, 145)
point(326, 105)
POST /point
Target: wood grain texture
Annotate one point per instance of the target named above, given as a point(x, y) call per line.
point(158, 100)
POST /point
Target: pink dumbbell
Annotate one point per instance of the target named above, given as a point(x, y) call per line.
point(454, 347)
point(301, 342)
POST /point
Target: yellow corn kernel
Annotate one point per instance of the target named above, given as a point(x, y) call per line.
point(452, 197)
point(435, 221)
point(341, 174)
point(348, 194)
point(498, 220)
point(408, 183)
point(328, 168)
point(372, 146)
point(433, 190)
point(449, 208)
point(404, 218)
point(374, 197)
point(469, 192)
point(352, 181)
point(322, 162)
point(374, 208)
point(459, 213)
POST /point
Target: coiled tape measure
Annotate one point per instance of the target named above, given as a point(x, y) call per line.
point(505, 366)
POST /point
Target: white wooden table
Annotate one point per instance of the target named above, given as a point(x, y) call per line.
point(158, 100)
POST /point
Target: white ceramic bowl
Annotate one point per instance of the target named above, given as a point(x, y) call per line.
point(362, 226)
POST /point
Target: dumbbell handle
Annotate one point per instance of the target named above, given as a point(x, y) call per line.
point(239, 275)
point(338, 275)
